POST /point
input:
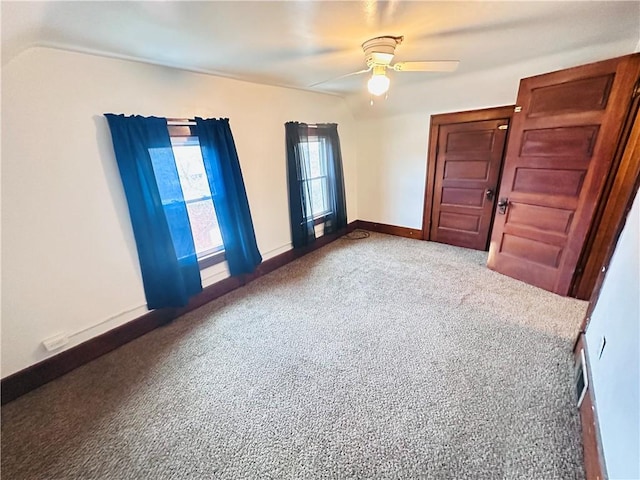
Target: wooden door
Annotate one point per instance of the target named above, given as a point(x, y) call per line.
point(468, 163)
point(564, 134)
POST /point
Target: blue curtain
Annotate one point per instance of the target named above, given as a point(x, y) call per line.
point(298, 169)
point(168, 260)
point(302, 225)
point(229, 194)
point(337, 218)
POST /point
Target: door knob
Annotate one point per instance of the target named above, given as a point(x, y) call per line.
point(503, 203)
point(489, 194)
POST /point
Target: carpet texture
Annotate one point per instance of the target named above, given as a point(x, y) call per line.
point(380, 358)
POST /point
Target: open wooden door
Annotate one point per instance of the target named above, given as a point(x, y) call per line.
point(564, 134)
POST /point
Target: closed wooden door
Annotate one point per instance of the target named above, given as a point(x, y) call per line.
point(564, 134)
point(468, 162)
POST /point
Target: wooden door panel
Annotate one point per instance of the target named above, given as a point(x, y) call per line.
point(581, 95)
point(542, 236)
point(455, 236)
point(560, 148)
point(469, 141)
point(463, 197)
point(466, 170)
point(547, 181)
point(512, 266)
point(547, 219)
point(541, 253)
point(460, 221)
point(569, 163)
point(468, 163)
point(577, 141)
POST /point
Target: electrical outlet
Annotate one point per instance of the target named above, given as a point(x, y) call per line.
point(55, 342)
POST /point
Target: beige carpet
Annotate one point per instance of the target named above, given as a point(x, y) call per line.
point(376, 358)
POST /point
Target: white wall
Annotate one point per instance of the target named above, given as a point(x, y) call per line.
point(69, 258)
point(392, 169)
point(616, 374)
point(70, 263)
point(393, 134)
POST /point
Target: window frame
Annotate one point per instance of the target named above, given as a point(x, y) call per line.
point(321, 217)
point(182, 129)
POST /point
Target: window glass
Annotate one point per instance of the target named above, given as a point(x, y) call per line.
point(315, 169)
point(193, 177)
point(318, 196)
point(197, 195)
point(317, 180)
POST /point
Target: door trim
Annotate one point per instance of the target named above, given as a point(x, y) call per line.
point(494, 113)
point(616, 210)
point(616, 201)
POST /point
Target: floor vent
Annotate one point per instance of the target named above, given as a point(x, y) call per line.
point(581, 379)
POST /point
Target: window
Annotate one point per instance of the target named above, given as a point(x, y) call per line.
point(195, 188)
point(197, 196)
point(317, 180)
point(173, 192)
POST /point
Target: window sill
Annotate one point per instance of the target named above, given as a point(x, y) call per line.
point(211, 260)
point(320, 219)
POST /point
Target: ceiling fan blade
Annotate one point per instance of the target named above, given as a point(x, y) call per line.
point(435, 66)
point(342, 76)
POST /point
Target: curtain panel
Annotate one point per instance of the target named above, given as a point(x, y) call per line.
point(229, 194)
point(302, 225)
point(168, 261)
point(337, 218)
point(301, 214)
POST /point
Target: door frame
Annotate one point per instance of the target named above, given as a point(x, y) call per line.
point(613, 216)
point(613, 206)
point(493, 113)
point(626, 185)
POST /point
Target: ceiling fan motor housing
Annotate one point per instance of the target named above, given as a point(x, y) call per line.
point(380, 50)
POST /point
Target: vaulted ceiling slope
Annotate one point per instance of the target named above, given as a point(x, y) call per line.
point(298, 44)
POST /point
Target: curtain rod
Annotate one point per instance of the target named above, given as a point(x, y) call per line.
point(180, 122)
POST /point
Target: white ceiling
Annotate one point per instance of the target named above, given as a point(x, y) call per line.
point(298, 44)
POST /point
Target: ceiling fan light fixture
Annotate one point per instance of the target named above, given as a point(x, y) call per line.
point(378, 58)
point(378, 84)
point(378, 54)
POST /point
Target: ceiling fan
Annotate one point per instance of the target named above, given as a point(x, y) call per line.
point(378, 53)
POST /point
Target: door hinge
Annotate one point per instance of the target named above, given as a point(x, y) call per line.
point(636, 89)
point(518, 109)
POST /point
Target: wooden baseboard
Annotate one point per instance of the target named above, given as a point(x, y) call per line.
point(592, 450)
point(51, 368)
point(390, 229)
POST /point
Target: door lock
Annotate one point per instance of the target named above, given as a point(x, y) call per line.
point(503, 203)
point(489, 194)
